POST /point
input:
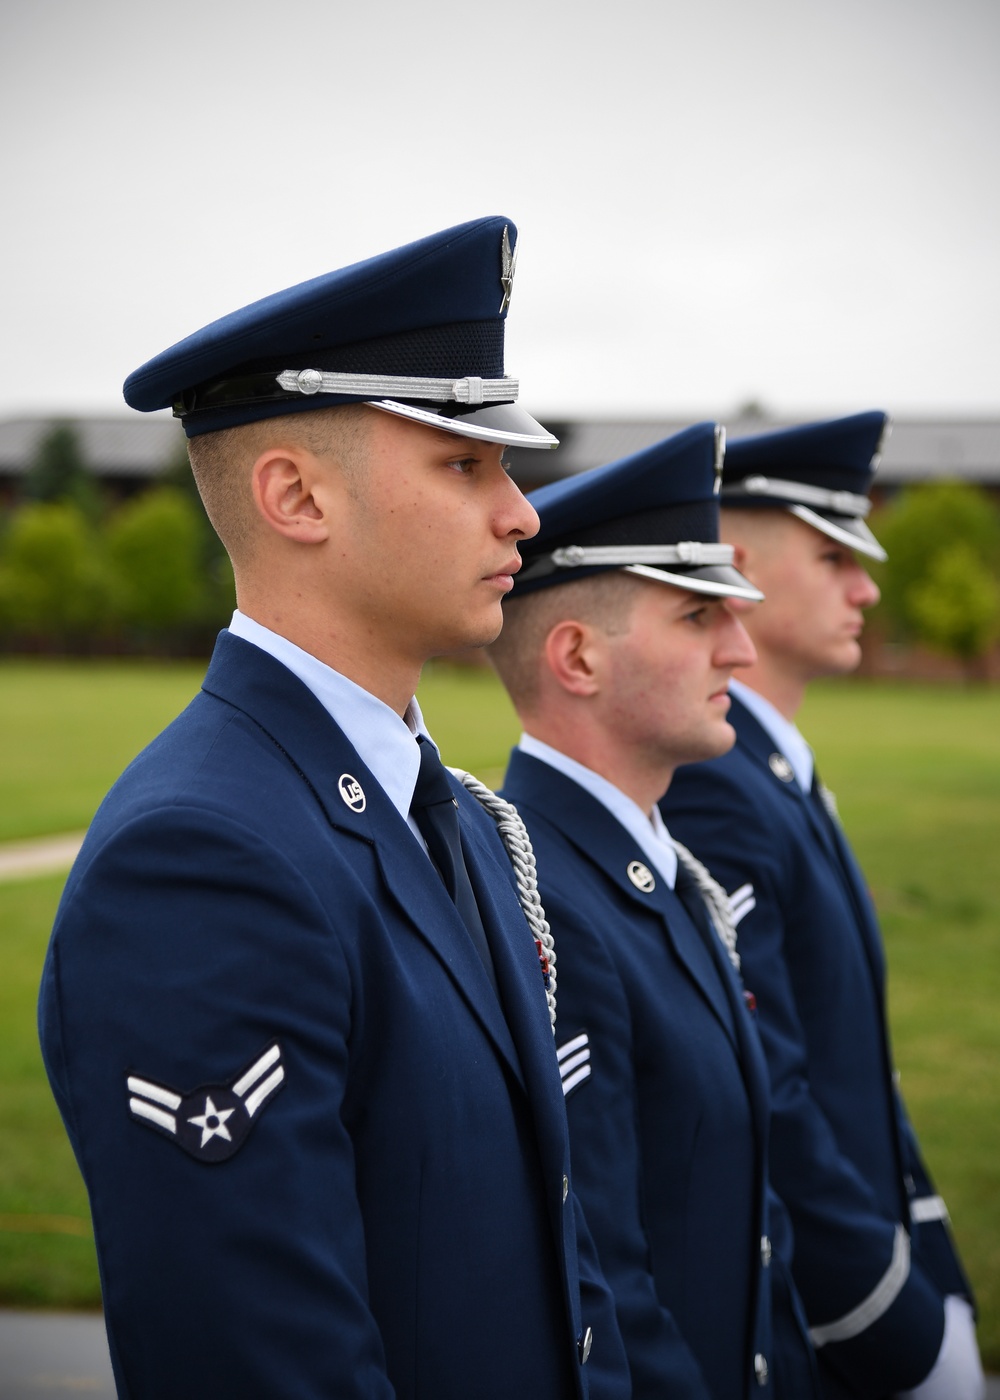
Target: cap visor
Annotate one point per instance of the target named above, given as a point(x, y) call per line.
point(845, 529)
point(505, 422)
point(717, 580)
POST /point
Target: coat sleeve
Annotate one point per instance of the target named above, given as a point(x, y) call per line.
point(603, 1116)
point(876, 1318)
point(237, 1278)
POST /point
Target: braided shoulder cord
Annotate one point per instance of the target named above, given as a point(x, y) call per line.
point(514, 835)
point(716, 900)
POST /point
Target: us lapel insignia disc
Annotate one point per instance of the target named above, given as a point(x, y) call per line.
point(352, 792)
point(780, 767)
point(508, 261)
point(212, 1122)
point(641, 876)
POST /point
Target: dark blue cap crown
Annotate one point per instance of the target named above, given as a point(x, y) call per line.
point(655, 513)
point(418, 331)
point(820, 472)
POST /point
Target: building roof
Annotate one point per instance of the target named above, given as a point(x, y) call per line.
point(917, 449)
point(143, 446)
point(121, 446)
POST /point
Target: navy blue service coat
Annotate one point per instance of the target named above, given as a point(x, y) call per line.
point(389, 1215)
point(844, 1157)
point(667, 1100)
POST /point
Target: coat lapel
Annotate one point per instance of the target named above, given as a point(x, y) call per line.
point(294, 720)
point(605, 843)
point(755, 740)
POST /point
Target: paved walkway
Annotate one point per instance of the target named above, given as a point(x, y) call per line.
point(51, 1356)
point(23, 860)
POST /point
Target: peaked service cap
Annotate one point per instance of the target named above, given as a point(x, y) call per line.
point(655, 514)
point(820, 472)
point(417, 331)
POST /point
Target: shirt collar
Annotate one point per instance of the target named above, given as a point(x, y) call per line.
point(782, 731)
point(646, 829)
point(383, 739)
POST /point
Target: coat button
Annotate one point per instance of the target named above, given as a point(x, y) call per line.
point(765, 1250)
point(565, 1188)
point(780, 767)
point(584, 1343)
point(760, 1368)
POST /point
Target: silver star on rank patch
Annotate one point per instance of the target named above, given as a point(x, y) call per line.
point(212, 1122)
point(508, 260)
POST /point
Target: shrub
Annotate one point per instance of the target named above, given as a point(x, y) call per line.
point(54, 583)
point(941, 583)
point(155, 545)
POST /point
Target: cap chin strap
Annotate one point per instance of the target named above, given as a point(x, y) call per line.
point(470, 389)
point(642, 559)
point(840, 502)
point(690, 552)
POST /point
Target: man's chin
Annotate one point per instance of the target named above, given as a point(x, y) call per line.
point(473, 640)
point(711, 745)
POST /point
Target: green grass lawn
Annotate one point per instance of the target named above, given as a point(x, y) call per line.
point(67, 729)
point(917, 771)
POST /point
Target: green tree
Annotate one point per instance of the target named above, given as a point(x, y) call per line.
point(941, 583)
point(59, 472)
point(957, 606)
point(54, 583)
point(155, 547)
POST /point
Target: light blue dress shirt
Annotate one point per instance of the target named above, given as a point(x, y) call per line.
point(386, 741)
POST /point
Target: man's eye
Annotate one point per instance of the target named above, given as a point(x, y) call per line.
point(463, 465)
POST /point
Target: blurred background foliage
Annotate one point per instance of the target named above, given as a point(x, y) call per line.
point(85, 573)
point(941, 583)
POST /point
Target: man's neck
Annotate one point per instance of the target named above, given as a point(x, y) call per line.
point(391, 680)
point(629, 772)
point(785, 692)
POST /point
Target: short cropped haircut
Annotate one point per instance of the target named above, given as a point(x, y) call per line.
point(762, 527)
point(603, 600)
point(222, 463)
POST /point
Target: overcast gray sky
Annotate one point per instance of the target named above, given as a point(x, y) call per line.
point(795, 201)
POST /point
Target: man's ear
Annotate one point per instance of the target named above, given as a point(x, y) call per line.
point(289, 492)
point(573, 657)
point(740, 555)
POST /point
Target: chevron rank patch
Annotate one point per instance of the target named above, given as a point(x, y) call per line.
point(213, 1122)
point(574, 1062)
point(741, 902)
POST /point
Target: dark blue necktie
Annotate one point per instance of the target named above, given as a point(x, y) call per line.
point(435, 811)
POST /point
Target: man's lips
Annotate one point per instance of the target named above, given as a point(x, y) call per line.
point(506, 571)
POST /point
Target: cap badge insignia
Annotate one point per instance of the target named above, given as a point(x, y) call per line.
point(213, 1122)
point(508, 260)
point(780, 767)
point(720, 457)
point(352, 792)
point(641, 876)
